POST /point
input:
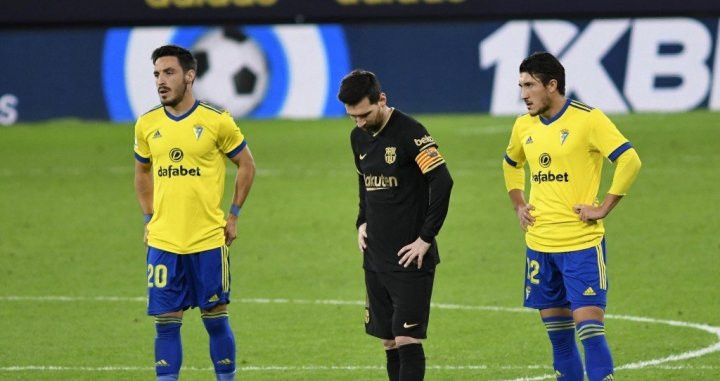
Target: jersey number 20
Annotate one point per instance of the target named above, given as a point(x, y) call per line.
point(157, 276)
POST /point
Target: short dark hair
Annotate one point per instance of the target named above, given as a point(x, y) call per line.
point(545, 67)
point(186, 59)
point(358, 85)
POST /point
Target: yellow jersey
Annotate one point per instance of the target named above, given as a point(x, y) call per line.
point(187, 153)
point(565, 156)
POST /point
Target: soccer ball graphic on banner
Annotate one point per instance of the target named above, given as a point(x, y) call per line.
point(232, 71)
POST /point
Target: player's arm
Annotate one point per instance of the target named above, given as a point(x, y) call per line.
point(144, 191)
point(522, 208)
point(515, 185)
point(243, 182)
point(440, 183)
point(232, 142)
point(143, 181)
point(360, 222)
point(514, 173)
point(627, 167)
point(606, 138)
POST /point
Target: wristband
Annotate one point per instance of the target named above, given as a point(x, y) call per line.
point(147, 217)
point(234, 210)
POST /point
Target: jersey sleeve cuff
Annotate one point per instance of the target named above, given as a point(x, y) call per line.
point(237, 150)
point(427, 238)
point(359, 222)
point(510, 161)
point(619, 151)
point(141, 159)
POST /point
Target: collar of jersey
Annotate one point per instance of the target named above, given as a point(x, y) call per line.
point(556, 116)
point(183, 116)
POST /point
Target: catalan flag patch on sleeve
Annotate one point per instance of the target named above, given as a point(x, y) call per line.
point(429, 159)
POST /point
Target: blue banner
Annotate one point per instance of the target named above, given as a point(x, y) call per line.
point(51, 74)
point(293, 71)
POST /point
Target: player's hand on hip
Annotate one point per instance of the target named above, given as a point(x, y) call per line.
point(589, 213)
point(523, 214)
point(362, 236)
point(412, 252)
point(230, 229)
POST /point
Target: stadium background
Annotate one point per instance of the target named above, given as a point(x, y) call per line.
point(76, 73)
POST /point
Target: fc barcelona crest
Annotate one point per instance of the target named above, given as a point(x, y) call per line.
point(390, 155)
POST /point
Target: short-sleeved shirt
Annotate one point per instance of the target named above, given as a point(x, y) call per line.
point(187, 153)
point(565, 156)
point(392, 164)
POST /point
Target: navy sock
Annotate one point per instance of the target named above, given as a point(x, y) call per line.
point(222, 344)
point(412, 362)
point(598, 360)
point(566, 357)
point(393, 364)
point(168, 347)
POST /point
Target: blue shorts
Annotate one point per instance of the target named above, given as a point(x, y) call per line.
point(571, 279)
point(181, 281)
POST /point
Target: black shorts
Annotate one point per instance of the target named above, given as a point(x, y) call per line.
point(398, 303)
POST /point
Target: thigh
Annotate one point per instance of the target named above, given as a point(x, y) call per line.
point(168, 289)
point(585, 278)
point(209, 272)
point(411, 293)
point(544, 286)
point(378, 307)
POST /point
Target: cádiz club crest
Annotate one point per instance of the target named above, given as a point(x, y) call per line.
point(390, 155)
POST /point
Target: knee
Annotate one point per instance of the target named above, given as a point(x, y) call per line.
point(174, 314)
point(216, 308)
point(405, 340)
point(389, 344)
point(588, 313)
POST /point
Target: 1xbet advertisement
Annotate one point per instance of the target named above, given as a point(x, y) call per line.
point(293, 71)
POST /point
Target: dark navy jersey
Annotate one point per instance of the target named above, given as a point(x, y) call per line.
point(395, 167)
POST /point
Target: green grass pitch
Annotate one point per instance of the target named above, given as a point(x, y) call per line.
point(72, 264)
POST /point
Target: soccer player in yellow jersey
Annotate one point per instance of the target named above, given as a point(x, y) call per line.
point(564, 143)
point(179, 180)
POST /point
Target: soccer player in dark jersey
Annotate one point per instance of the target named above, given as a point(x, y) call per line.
point(180, 150)
point(404, 187)
point(565, 143)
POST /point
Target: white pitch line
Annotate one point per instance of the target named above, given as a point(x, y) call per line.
point(12, 298)
point(445, 306)
point(678, 357)
point(266, 368)
point(654, 362)
point(715, 347)
point(319, 368)
point(544, 377)
point(686, 367)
